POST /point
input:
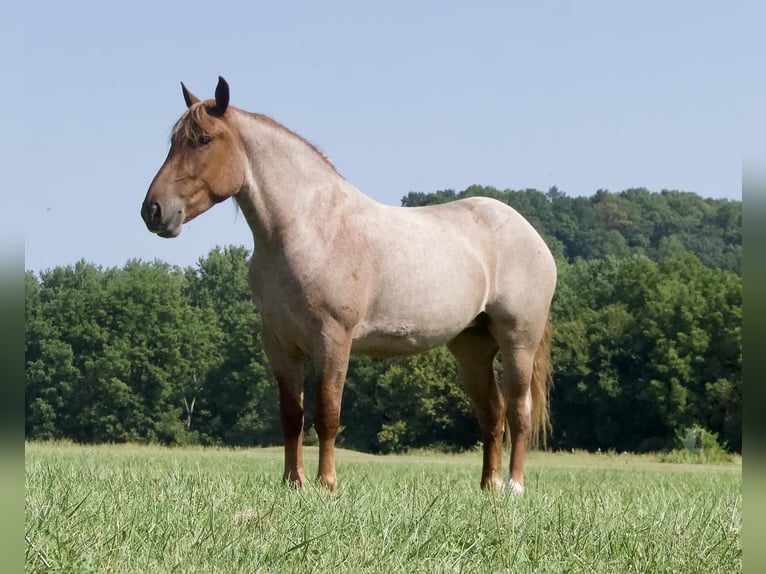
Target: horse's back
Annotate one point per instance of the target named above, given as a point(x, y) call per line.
point(505, 236)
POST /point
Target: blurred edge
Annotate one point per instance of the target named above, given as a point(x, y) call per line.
point(11, 404)
point(754, 363)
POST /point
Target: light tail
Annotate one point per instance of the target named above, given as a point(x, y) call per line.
point(542, 381)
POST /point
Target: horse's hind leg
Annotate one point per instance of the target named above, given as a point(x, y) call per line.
point(516, 380)
point(475, 350)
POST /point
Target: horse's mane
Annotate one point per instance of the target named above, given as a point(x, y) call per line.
point(189, 127)
point(275, 124)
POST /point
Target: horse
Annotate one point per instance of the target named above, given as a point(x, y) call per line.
point(334, 272)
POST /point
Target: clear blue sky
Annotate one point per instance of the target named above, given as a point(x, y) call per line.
point(402, 96)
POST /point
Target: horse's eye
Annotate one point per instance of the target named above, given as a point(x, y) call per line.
point(202, 141)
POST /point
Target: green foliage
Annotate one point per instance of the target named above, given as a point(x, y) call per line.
point(406, 403)
point(391, 437)
point(695, 444)
point(109, 351)
point(237, 400)
point(647, 341)
point(643, 350)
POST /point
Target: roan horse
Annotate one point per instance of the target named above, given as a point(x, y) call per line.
point(334, 272)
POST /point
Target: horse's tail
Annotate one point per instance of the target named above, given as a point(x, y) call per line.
point(542, 381)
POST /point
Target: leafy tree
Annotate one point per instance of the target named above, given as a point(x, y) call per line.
point(238, 402)
point(114, 352)
point(644, 350)
point(409, 402)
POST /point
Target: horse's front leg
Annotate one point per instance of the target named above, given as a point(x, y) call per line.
point(291, 412)
point(329, 393)
point(289, 372)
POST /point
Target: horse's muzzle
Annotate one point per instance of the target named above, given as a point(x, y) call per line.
point(160, 223)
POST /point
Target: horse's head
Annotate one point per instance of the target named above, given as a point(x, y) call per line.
point(205, 165)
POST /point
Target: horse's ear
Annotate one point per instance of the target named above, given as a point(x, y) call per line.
point(189, 98)
point(221, 96)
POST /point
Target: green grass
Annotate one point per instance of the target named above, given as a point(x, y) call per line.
point(151, 509)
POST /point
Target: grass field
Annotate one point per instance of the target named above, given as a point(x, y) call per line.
point(151, 509)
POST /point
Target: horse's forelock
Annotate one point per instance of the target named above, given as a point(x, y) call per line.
point(189, 126)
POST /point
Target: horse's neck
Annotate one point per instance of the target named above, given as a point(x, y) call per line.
point(290, 187)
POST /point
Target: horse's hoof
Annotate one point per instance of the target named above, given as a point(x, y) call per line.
point(494, 484)
point(514, 488)
point(328, 483)
point(294, 480)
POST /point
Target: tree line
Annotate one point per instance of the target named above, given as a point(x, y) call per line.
point(647, 341)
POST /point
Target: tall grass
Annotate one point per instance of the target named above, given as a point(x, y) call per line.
point(144, 509)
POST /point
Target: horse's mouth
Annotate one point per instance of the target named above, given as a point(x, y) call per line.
point(167, 230)
point(170, 233)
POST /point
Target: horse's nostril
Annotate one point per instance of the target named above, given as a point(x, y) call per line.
point(151, 213)
point(155, 213)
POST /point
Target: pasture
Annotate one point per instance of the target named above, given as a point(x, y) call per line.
point(152, 509)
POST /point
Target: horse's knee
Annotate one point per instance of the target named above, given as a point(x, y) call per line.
point(327, 409)
point(326, 421)
point(291, 413)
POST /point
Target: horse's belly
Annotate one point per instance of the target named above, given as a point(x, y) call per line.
point(397, 343)
point(407, 330)
point(422, 306)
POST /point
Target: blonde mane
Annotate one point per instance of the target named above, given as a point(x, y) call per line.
point(190, 127)
point(275, 124)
